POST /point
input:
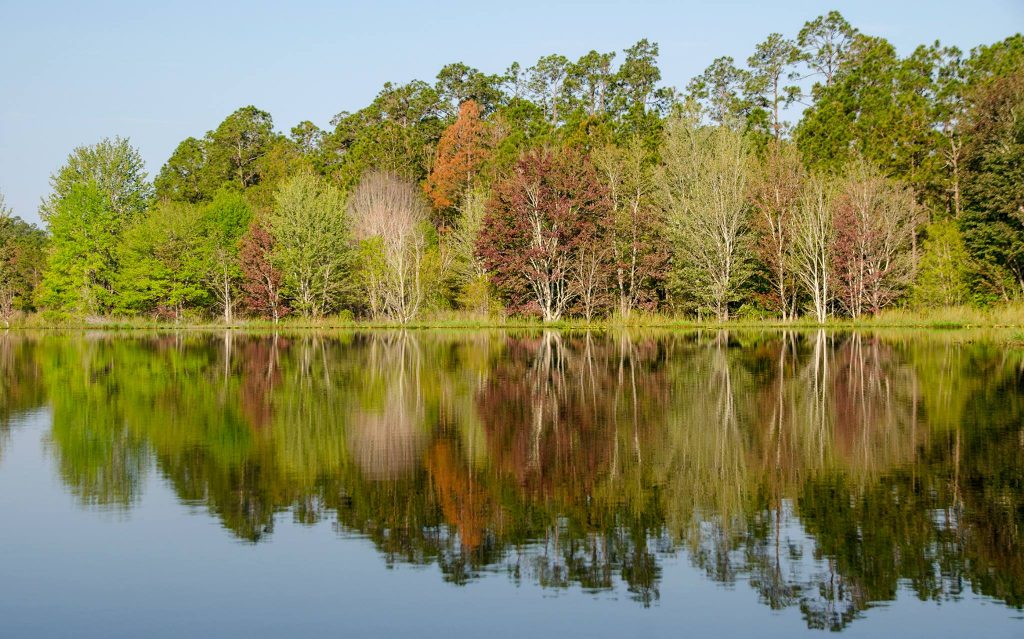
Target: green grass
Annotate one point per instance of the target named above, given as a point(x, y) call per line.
point(955, 318)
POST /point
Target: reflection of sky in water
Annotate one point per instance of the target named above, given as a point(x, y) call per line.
point(161, 567)
point(159, 573)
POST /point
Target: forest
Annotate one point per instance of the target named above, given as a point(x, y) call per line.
point(824, 177)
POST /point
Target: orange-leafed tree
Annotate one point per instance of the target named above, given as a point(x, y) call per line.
point(463, 147)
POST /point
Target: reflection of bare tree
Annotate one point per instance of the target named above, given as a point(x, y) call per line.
point(387, 438)
point(843, 404)
point(702, 462)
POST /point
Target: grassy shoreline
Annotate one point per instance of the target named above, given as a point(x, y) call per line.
point(1009, 316)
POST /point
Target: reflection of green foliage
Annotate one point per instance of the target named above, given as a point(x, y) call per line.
point(571, 460)
point(99, 459)
point(21, 387)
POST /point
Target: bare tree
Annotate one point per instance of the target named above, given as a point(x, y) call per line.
point(637, 244)
point(775, 190)
point(389, 215)
point(589, 278)
point(813, 235)
point(703, 192)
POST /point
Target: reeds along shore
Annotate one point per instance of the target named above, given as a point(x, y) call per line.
point(1009, 316)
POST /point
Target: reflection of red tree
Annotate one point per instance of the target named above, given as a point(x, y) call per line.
point(261, 373)
point(873, 405)
point(553, 408)
point(850, 395)
point(464, 502)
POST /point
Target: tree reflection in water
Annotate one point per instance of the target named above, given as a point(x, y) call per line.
point(826, 470)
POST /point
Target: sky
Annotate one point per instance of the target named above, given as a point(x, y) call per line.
point(158, 72)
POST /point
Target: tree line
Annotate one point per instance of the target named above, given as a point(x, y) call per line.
point(583, 188)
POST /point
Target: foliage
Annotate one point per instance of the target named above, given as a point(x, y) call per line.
point(82, 266)
point(792, 183)
point(223, 221)
point(117, 171)
point(261, 280)
point(944, 267)
point(993, 220)
point(776, 184)
point(313, 244)
point(638, 251)
point(461, 150)
point(703, 195)
point(22, 255)
point(875, 225)
point(540, 221)
point(162, 263)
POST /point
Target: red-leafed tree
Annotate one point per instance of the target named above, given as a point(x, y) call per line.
point(544, 219)
point(461, 150)
point(875, 220)
point(261, 282)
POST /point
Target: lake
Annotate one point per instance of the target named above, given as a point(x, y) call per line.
point(449, 483)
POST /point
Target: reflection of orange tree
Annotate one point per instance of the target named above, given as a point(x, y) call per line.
point(465, 502)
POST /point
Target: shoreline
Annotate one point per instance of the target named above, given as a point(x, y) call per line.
point(1000, 319)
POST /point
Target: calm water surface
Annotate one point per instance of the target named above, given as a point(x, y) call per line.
point(466, 484)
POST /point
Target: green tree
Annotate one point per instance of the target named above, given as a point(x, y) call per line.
point(639, 102)
point(161, 262)
point(224, 222)
point(237, 144)
point(100, 191)
point(396, 133)
point(85, 232)
point(591, 84)
point(993, 184)
point(185, 178)
point(458, 82)
point(875, 107)
point(942, 271)
point(765, 83)
point(314, 244)
point(825, 44)
point(720, 90)
point(117, 171)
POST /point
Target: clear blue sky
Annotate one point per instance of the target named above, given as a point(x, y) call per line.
point(157, 72)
